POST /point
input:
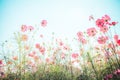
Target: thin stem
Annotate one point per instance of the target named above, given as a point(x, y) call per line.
point(93, 67)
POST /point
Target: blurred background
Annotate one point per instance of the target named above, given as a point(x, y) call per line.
point(65, 17)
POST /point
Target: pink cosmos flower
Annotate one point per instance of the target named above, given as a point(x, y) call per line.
point(41, 35)
point(36, 57)
point(80, 34)
point(23, 28)
point(116, 37)
point(63, 55)
point(109, 76)
point(44, 23)
point(118, 42)
point(31, 55)
point(47, 60)
point(37, 45)
point(2, 74)
point(30, 28)
point(106, 18)
point(104, 29)
point(118, 52)
point(110, 45)
point(91, 31)
point(75, 55)
point(91, 18)
point(61, 43)
point(65, 47)
point(15, 58)
point(1, 62)
point(100, 22)
point(117, 72)
point(34, 52)
point(82, 40)
point(26, 47)
point(102, 39)
point(32, 64)
point(114, 23)
point(42, 50)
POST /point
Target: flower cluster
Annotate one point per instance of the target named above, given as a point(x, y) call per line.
point(94, 50)
point(114, 75)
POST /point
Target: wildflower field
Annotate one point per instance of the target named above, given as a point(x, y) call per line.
point(93, 54)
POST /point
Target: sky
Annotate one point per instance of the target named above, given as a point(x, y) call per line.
point(64, 17)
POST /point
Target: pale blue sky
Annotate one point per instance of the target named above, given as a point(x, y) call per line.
point(65, 17)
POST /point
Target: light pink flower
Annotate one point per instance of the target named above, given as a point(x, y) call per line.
point(31, 54)
point(82, 40)
point(15, 58)
point(75, 55)
point(118, 52)
point(117, 72)
point(32, 64)
point(37, 45)
point(23, 28)
point(116, 37)
point(91, 18)
point(106, 18)
point(34, 52)
point(41, 35)
point(100, 22)
point(117, 40)
point(110, 45)
point(36, 57)
point(26, 47)
point(47, 60)
point(63, 55)
point(91, 31)
point(1, 62)
point(102, 39)
point(80, 34)
point(104, 29)
point(44, 23)
point(65, 47)
point(61, 43)
point(30, 28)
point(42, 50)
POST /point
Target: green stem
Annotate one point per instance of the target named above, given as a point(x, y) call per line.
point(93, 67)
point(114, 51)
